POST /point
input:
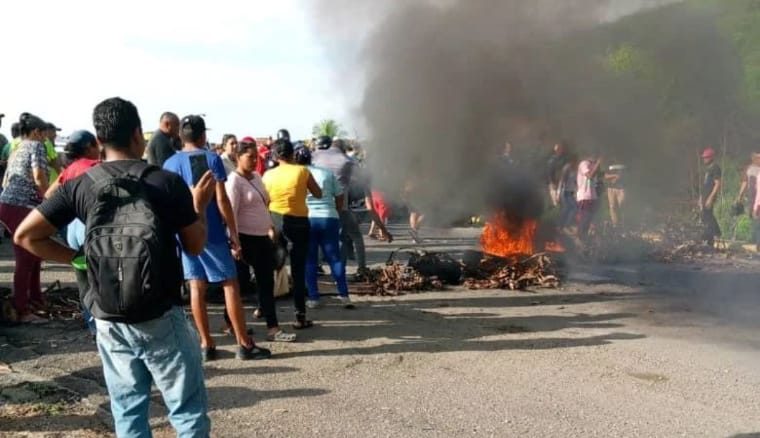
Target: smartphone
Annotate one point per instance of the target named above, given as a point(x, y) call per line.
point(198, 166)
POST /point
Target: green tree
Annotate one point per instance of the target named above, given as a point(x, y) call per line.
point(328, 127)
point(628, 59)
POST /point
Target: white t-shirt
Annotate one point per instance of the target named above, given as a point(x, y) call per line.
point(586, 186)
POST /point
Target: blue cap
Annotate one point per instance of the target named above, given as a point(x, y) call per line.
point(78, 142)
point(81, 138)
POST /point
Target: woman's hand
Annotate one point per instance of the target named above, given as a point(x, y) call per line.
point(272, 234)
point(235, 248)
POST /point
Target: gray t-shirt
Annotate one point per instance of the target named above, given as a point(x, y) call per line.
point(337, 162)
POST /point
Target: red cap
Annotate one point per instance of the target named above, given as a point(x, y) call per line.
point(246, 144)
point(708, 153)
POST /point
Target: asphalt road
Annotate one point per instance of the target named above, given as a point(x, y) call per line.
point(619, 351)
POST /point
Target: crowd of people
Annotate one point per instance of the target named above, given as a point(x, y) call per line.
point(137, 222)
point(577, 184)
point(136, 231)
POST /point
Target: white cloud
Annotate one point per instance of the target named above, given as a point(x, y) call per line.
point(252, 67)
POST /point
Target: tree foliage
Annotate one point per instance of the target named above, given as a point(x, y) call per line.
point(629, 60)
point(741, 20)
point(328, 127)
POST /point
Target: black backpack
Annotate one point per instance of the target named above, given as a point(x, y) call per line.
point(124, 248)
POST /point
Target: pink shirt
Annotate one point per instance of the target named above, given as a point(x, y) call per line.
point(586, 188)
point(250, 204)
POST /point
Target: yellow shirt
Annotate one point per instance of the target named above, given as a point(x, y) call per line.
point(286, 185)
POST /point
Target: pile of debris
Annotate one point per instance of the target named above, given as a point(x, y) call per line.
point(396, 279)
point(432, 271)
point(681, 241)
point(60, 303)
point(516, 273)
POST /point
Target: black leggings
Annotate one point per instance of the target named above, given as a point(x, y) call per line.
point(295, 231)
point(258, 254)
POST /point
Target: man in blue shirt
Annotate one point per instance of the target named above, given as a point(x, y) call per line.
point(215, 264)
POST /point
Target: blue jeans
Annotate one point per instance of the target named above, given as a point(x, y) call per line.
point(164, 351)
point(325, 234)
point(568, 207)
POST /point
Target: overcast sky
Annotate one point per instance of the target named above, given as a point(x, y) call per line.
point(251, 66)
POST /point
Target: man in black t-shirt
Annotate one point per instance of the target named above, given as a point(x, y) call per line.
point(709, 195)
point(161, 347)
point(165, 142)
point(554, 166)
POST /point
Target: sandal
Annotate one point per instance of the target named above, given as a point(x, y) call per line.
point(281, 336)
point(303, 324)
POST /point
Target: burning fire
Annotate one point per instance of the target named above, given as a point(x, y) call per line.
point(554, 247)
point(505, 237)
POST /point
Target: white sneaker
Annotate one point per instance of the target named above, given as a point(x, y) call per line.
point(346, 302)
point(313, 304)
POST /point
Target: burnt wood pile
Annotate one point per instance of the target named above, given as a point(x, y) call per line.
point(431, 271)
point(513, 273)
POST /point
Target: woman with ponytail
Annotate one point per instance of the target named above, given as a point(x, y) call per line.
point(25, 182)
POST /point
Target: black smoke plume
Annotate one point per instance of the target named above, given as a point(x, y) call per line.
point(446, 83)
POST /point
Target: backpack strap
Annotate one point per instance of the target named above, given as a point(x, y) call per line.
point(139, 169)
point(98, 174)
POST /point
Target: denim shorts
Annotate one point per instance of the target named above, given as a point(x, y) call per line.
point(215, 264)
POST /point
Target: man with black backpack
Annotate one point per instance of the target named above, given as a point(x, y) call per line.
point(133, 213)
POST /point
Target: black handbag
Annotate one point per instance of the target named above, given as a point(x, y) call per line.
point(279, 245)
point(279, 253)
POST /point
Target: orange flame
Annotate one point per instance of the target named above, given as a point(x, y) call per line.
point(505, 237)
point(554, 247)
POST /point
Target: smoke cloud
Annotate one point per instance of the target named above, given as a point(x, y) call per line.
point(445, 83)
